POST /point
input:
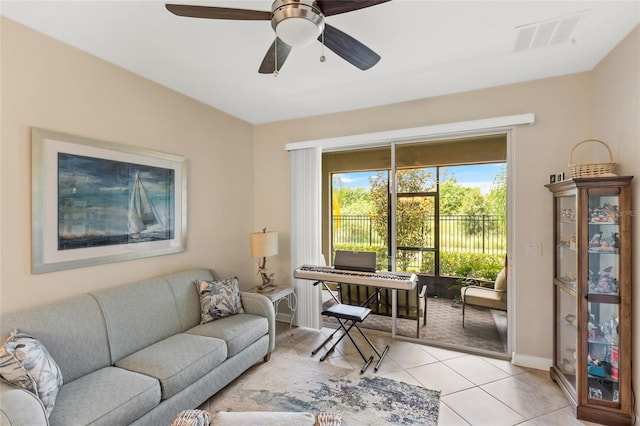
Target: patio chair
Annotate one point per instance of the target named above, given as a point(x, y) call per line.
point(485, 293)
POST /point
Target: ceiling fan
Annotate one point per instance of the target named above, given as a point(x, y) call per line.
point(296, 23)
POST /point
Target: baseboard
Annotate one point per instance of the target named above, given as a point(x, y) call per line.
point(283, 317)
point(531, 361)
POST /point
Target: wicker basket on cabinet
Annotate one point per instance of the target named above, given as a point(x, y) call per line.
point(591, 169)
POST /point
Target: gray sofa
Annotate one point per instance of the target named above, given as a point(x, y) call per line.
point(137, 354)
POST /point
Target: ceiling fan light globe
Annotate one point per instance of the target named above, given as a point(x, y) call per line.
point(296, 22)
point(298, 31)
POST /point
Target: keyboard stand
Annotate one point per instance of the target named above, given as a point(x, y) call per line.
point(348, 317)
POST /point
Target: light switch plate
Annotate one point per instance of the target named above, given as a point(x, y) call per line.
point(534, 249)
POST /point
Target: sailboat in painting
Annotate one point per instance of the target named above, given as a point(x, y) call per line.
point(144, 220)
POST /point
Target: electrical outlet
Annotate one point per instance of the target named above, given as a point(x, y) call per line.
point(534, 249)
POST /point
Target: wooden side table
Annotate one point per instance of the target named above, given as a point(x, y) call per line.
point(278, 294)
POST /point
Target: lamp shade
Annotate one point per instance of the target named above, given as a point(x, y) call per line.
point(263, 244)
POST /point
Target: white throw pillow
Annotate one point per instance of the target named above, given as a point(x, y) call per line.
point(26, 363)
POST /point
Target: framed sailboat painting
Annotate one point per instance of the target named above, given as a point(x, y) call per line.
point(97, 202)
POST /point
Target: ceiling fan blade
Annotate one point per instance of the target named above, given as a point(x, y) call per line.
point(210, 12)
point(268, 65)
point(334, 7)
point(348, 48)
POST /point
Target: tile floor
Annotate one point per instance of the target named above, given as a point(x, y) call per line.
point(475, 390)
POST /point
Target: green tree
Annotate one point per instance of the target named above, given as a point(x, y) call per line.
point(355, 201)
point(452, 196)
point(473, 206)
point(412, 228)
point(497, 199)
point(349, 201)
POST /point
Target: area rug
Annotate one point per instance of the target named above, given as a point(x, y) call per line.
point(290, 383)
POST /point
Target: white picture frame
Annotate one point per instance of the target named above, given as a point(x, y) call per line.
point(96, 202)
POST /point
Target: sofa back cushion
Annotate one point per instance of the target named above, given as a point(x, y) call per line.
point(73, 332)
point(186, 294)
point(138, 315)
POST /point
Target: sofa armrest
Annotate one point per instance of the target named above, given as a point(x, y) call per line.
point(20, 407)
point(258, 304)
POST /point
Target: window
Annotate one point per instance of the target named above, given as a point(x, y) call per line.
point(441, 210)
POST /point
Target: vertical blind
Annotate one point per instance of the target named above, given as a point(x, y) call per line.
point(306, 232)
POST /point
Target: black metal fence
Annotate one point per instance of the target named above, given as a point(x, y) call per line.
point(458, 233)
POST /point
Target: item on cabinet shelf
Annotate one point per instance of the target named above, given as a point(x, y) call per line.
point(570, 244)
point(610, 331)
point(605, 214)
point(614, 355)
point(568, 366)
point(593, 329)
point(595, 240)
point(596, 366)
point(614, 373)
point(569, 279)
point(556, 177)
point(603, 282)
point(605, 285)
point(595, 393)
point(591, 169)
point(596, 370)
point(608, 244)
point(569, 215)
point(599, 243)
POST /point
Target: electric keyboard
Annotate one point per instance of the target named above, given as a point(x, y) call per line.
point(382, 279)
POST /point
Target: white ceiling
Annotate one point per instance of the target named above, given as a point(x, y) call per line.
point(428, 48)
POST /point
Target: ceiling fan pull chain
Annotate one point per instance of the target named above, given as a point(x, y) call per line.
point(275, 52)
point(322, 57)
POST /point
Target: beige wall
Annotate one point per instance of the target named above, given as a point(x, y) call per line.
point(564, 109)
point(616, 120)
point(563, 113)
point(51, 85)
point(47, 84)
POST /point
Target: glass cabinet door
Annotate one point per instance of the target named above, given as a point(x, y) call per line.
point(566, 281)
point(603, 351)
point(566, 252)
point(603, 298)
point(567, 335)
point(604, 244)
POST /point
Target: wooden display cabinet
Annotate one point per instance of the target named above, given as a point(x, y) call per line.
point(592, 296)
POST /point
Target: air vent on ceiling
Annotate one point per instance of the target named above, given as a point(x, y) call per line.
point(546, 33)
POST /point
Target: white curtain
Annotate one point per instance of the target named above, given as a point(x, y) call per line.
point(306, 230)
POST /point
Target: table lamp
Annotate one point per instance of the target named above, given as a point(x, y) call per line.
point(264, 244)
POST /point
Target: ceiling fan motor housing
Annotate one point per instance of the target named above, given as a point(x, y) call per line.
point(297, 23)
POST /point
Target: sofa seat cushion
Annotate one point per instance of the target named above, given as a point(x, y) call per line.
point(238, 331)
point(109, 396)
point(177, 361)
